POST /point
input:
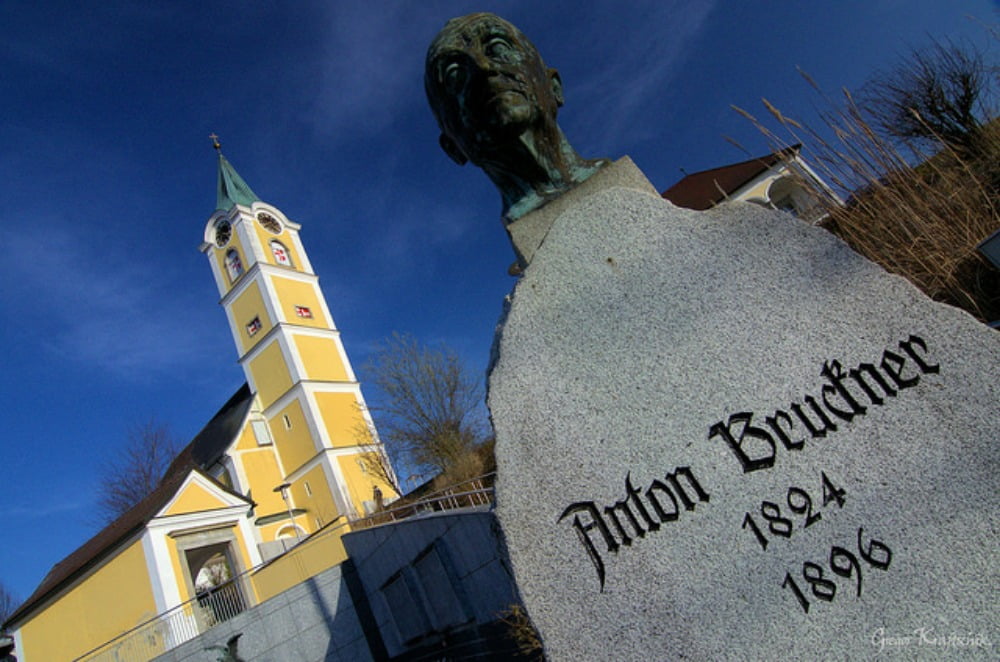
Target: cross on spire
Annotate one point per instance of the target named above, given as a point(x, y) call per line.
point(215, 141)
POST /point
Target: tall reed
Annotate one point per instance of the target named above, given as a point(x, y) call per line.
point(918, 214)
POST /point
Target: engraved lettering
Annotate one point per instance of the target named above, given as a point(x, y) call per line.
point(772, 421)
point(622, 507)
point(660, 512)
point(633, 494)
point(907, 346)
point(754, 447)
point(594, 521)
point(856, 375)
point(833, 371)
point(764, 460)
point(892, 365)
point(583, 532)
point(815, 430)
point(686, 472)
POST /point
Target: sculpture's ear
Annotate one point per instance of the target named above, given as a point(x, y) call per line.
point(452, 150)
point(556, 83)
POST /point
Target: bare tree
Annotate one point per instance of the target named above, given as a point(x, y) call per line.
point(942, 93)
point(8, 602)
point(431, 418)
point(135, 469)
point(377, 462)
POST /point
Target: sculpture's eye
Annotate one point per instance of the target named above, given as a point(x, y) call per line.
point(498, 48)
point(453, 77)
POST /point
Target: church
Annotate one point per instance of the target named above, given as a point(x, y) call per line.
point(286, 457)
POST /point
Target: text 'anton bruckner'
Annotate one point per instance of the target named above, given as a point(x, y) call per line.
point(845, 395)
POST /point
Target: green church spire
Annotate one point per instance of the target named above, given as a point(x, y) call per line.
point(232, 189)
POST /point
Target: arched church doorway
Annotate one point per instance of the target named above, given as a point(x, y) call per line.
point(213, 575)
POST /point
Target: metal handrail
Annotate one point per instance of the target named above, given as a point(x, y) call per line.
point(173, 627)
point(469, 499)
point(446, 499)
point(187, 620)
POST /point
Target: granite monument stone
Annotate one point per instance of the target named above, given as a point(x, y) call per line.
point(725, 435)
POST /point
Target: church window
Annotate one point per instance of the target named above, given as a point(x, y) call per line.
point(223, 231)
point(304, 312)
point(280, 254)
point(254, 326)
point(234, 266)
point(262, 433)
point(270, 223)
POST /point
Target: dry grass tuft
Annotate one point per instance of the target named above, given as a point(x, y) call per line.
point(523, 632)
point(922, 222)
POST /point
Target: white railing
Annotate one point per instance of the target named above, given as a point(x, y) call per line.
point(186, 621)
point(172, 628)
point(469, 494)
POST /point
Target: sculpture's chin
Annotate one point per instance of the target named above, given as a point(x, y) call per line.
point(510, 110)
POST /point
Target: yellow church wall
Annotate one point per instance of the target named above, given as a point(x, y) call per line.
point(342, 418)
point(193, 499)
point(307, 559)
point(266, 237)
point(246, 440)
point(261, 469)
point(294, 444)
point(319, 504)
point(113, 599)
point(320, 358)
point(361, 483)
point(270, 374)
point(269, 532)
point(293, 293)
point(245, 307)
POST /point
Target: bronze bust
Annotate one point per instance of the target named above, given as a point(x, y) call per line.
point(496, 104)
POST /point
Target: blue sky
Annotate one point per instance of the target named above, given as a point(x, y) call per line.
point(107, 177)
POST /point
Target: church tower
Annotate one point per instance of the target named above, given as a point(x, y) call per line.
point(310, 429)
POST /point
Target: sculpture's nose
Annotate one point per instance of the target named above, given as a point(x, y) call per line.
point(482, 62)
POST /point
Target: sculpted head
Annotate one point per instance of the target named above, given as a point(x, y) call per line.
point(496, 104)
point(485, 80)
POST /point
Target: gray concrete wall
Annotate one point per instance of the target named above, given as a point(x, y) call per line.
point(413, 584)
point(428, 576)
point(315, 621)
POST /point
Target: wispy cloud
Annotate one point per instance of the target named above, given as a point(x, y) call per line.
point(629, 78)
point(372, 67)
point(43, 509)
point(91, 305)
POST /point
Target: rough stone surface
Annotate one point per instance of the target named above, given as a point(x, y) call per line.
point(637, 329)
point(528, 232)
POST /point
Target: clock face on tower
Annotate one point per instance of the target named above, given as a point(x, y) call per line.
point(223, 231)
point(270, 223)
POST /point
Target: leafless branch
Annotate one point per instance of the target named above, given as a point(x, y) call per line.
point(430, 413)
point(942, 93)
point(135, 469)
